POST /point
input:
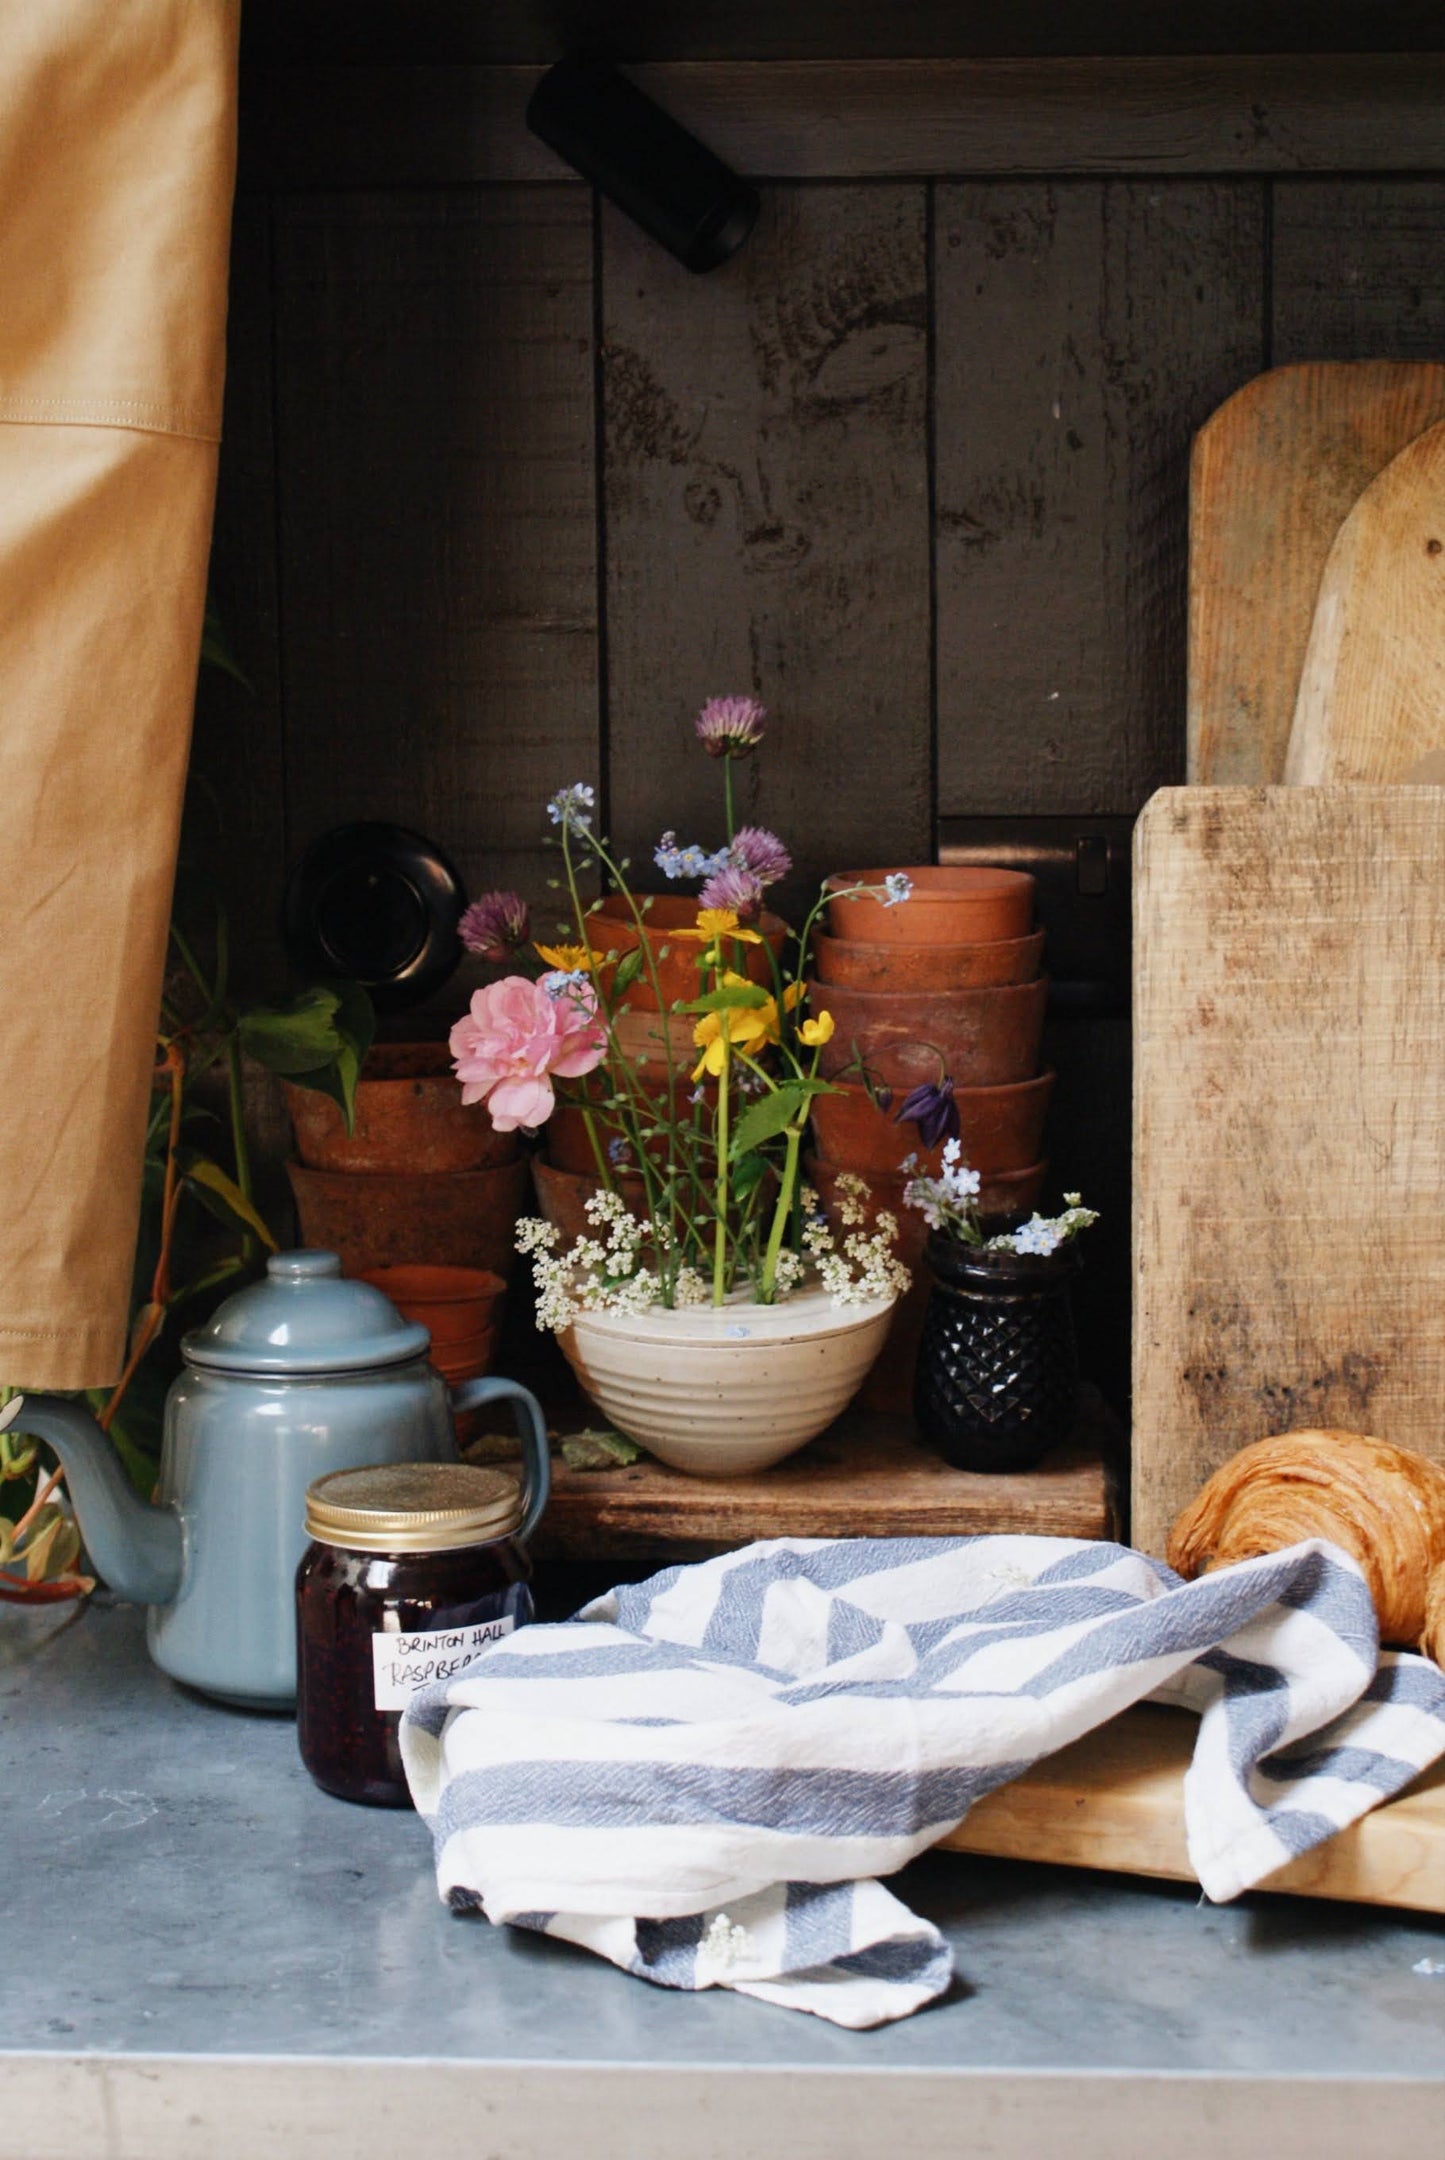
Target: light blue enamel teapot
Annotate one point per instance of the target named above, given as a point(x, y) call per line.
point(298, 1375)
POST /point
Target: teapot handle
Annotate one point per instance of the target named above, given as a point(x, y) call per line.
point(536, 1462)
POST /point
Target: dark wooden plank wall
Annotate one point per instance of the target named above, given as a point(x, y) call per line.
point(505, 492)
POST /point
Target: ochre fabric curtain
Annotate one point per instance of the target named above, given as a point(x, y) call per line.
point(117, 157)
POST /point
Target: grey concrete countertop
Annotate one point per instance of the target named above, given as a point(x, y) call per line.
point(205, 1956)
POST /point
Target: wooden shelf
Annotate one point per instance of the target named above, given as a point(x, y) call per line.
point(1115, 1800)
point(867, 1477)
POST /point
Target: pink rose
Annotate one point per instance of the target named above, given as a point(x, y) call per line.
point(516, 1035)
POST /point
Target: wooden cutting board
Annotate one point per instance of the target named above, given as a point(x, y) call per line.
point(1115, 1800)
point(1274, 473)
point(1371, 702)
point(1289, 1126)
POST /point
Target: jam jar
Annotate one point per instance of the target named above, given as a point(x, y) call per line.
point(413, 1571)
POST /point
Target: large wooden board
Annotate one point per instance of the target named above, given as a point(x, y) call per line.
point(1289, 1126)
point(1371, 701)
point(1273, 475)
point(1115, 1800)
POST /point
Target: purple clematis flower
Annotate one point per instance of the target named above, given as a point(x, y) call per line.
point(932, 1109)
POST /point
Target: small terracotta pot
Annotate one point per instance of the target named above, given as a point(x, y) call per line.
point(951, 904)
point(569, 1146)
point(409, 1117)
point(453, 1304)
point(642, 1038)
point(610, 928)
point(460, 1218)
point(562, 1196)
point(999, 1128)
point(927, 967)
point(985, 1038)
point(468, 1360)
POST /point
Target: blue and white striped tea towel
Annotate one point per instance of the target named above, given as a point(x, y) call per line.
point(700, 1776)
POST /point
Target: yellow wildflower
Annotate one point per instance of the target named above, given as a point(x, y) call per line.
point(718, 922)
point(750, 1028)
point(815, 1032)
point(567, 957)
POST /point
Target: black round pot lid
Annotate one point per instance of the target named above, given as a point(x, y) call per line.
point(379, 905)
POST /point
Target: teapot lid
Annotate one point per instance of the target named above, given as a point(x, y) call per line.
point(305, 1318)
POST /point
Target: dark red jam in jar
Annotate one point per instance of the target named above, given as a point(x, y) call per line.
point(413, 1571)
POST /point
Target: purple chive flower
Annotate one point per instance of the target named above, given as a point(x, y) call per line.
point(731, 726)
point(756, 849)
point(734, 888)
point(932, 1109)
point(495, 926)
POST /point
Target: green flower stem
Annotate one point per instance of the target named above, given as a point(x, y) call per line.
point(604, 1168)
point(720, 1233)
point(781, 1214)
point(727, 766)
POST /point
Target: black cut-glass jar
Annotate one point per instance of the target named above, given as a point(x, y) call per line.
point(997, 1382)
point(413, 1571)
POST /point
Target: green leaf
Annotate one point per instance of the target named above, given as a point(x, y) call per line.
point(294, 1039)
point(356, 1025)
point(768, 1116)
point(749, 1174)
point(210, 1184)
point(599, 1451)
point(726, 997)
point(629, 967)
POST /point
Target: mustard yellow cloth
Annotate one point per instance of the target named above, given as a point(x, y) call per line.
point(117, 160)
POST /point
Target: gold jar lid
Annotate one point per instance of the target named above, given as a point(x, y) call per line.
point(413, 1507)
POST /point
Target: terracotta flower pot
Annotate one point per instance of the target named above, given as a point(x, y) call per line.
point(452, 1303)
point(409, 1117)
point(720, 1392)
point(467, 1360)
point(460, 1218)
point(949, 905)
point(927, 967)
point(1000, 1128)
point(569, 1146)
point(562, 1197)
point(610, 928)
point(985, 1038)
point(642, 1038)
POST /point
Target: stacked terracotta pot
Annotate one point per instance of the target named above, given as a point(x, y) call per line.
point(422, 1180)
point(945, 984)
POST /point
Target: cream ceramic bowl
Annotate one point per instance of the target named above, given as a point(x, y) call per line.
point(721, 1391)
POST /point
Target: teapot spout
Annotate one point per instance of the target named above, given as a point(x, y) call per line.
point(136, 1547)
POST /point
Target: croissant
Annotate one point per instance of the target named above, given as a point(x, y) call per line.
point(1383, 1505)
point(1432, 1642)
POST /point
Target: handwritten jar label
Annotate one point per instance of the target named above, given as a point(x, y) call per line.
point(401, 1664)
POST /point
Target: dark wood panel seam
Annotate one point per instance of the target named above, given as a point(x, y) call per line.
point(930, 427)
point(1227, 115)
point(278, 484)
point(599, 491)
